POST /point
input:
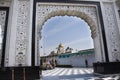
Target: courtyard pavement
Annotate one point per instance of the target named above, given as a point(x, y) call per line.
point(76, 74)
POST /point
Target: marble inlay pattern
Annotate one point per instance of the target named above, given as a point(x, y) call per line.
point(113, 33)
point(22, 31)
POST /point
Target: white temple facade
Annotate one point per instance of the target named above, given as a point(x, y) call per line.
point(22, 20)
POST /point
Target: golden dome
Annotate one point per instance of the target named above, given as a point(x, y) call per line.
point(60, 45)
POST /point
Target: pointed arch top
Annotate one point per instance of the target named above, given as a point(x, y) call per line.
point(79, 14)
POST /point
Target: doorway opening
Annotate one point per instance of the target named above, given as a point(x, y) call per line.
point(66, 46)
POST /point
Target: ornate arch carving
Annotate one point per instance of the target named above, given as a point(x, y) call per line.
point(81, 15)
point(88, 14)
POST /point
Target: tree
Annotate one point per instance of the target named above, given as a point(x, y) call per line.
point(68, 50)
point(52, 53)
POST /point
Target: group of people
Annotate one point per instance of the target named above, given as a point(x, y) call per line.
point(51, 64)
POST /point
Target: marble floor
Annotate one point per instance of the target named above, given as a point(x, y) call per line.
point(76, 74)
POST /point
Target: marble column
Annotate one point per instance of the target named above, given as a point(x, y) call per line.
point(20, 33)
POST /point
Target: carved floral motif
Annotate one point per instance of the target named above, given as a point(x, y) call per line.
point(113, 33)
point(22, 31)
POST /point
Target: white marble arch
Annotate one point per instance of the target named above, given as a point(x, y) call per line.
point(23, 11)
point(89, 13)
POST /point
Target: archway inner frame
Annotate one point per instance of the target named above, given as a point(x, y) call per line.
point(91, 13)
point(86, 12)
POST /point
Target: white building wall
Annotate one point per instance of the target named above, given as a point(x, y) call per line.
point(64, 61)
point(77, 60)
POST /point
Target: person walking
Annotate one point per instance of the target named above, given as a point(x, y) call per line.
point(86, 63)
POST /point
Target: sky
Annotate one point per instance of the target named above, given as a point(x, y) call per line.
point(68, 30)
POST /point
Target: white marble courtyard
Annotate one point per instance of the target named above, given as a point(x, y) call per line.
point(76, 74)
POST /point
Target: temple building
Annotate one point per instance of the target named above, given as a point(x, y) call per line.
point(76, 59)
point(60, 49)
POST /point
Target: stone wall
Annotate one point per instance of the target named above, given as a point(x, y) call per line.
point(77, 60)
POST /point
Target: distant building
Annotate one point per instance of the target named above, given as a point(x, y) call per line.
point(76, 59)
point(60, 49)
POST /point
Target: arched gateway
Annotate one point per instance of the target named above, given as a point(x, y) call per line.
point(89, 13)
point(21, 22)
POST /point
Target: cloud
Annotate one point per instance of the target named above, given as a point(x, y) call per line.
point(58, 26)
point(61, 26)
point(78, 41)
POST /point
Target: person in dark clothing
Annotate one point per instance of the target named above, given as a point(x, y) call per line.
point(55, 62)
point(86, 62)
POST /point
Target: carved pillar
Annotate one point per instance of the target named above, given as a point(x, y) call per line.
point(20, 40)
point(112, 31)
point(22, 28)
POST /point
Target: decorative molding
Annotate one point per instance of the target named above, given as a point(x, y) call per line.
point(87, 13)
point(20, 59)
point(112, 28)
point(22, 31)
point(2, 23)
point(2, 20)
point(5, 3)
